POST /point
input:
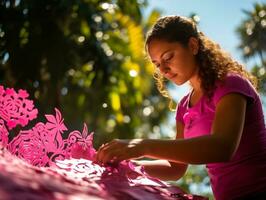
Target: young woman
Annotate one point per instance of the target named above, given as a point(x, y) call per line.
point(219, 123)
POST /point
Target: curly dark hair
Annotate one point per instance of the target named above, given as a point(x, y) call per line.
point(214, 63)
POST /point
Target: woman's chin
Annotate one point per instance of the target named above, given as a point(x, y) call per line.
point(178, 81)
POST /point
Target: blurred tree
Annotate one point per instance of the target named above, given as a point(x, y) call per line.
point(196, 181)
point(195, 17)
point(252, 32)
point(85, 58)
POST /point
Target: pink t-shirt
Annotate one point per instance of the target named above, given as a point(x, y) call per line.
point(245, 173)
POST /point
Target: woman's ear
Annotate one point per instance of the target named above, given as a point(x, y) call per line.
point(193, 45)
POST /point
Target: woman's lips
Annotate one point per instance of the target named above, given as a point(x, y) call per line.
point(173, 76)
point(170, 76)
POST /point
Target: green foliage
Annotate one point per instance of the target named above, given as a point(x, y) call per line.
point(252, 32)
point(85, 58)
point(195, 181)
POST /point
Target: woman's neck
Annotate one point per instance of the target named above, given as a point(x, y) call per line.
point(195, 82)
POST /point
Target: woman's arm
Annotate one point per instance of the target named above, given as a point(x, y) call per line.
point(164, 169)
point(220, 146)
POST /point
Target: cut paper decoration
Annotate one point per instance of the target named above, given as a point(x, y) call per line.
point(39, 164)
point(15, 108)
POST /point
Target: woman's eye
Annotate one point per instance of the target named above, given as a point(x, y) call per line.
point(168, 58)
point(157, 65)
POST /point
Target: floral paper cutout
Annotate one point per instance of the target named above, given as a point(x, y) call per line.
point(46, 166)
point(43, 144)
point(3, 133)
point(15, 108)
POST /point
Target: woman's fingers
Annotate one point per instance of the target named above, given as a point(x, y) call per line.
point(111, 157)
point(101, 151)
point(107, 151)
point(119, 150)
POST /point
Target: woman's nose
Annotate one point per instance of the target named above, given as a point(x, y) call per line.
point(164, 68)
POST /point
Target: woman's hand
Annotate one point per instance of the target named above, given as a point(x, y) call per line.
point(118, 150)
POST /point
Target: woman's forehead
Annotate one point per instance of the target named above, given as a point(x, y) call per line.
point(157, 47)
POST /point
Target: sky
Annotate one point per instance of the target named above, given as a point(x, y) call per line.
point(218, 20)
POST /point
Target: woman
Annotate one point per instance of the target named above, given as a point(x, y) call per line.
point(219, 123)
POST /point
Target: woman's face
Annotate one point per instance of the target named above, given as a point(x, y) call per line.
point(176, 62)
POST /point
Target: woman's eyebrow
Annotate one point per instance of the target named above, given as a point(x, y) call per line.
point(166, 51)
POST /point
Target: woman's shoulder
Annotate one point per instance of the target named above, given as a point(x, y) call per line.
point(182, 104)
point(233, 78)
point(184, 100)
point(182, 107)
point(234, 83)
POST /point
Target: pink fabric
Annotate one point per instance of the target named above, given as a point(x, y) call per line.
point(80, 179)
point(245, 173)
point(39, 164)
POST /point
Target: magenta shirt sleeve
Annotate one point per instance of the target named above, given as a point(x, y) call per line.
point(234, 84)
point(179, 116)
point(181, 109)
